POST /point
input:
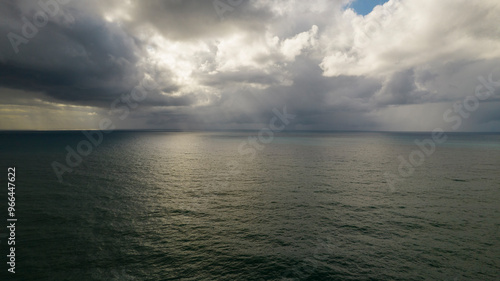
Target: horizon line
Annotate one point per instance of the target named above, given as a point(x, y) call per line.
point(238, 130)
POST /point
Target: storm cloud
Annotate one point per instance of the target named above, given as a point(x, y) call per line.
point(227, 64)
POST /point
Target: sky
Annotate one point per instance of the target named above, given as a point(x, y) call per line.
point(404, 65)
point(364, 7)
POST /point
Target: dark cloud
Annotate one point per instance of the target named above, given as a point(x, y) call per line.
point(194, 19)
point(88, 61)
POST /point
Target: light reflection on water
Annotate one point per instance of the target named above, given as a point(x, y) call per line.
point(154, 206)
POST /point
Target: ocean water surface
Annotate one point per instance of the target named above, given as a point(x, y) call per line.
point(209, 206)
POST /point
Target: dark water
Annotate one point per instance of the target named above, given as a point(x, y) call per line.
point(308, 206)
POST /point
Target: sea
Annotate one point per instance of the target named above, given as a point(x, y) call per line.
point(243, 205)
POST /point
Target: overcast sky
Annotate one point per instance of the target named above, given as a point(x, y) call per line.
point(226, 64)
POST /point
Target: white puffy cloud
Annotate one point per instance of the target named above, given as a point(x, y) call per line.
point(404, 34)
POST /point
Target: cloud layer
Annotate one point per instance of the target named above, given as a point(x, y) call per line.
point(226, 64)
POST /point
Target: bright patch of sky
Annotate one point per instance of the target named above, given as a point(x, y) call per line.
point(364, 7)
